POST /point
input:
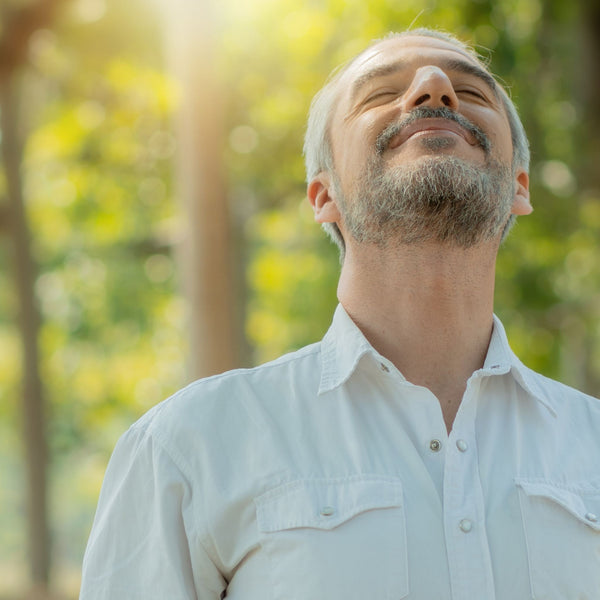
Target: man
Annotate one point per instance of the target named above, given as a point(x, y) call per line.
point(409, 454)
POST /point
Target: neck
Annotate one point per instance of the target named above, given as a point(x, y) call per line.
point(427, 308)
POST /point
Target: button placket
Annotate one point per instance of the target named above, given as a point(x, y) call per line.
point(465, 525)
point(464, 507)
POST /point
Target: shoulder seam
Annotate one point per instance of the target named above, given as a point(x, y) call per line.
point(282, 360)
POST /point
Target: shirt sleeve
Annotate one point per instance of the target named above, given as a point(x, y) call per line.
point(143, 543)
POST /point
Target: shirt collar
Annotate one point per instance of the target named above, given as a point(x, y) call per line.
point(501, 359)
point(344, 345)
point(341, 349)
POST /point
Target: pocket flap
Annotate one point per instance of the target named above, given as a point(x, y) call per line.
point(324, 503)
point(582, 501)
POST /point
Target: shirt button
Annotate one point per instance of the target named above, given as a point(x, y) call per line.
point(462, 445)
point(591, 517)
point(435, 445)
point(384, 367)
point(466, 525)
point(327, 511)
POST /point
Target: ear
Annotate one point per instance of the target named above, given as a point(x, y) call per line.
point(521, 204)
point(321, 196)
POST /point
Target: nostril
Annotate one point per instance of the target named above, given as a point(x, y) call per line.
point(422, 99)
point(446, 100)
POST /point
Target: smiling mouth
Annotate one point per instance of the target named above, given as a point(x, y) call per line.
point(431, 127)
point(427, 122)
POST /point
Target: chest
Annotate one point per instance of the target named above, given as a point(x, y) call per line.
point(371, 498)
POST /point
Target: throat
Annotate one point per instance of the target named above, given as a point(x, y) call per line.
point(427, 308)
point(449, 391)
point(437, 354)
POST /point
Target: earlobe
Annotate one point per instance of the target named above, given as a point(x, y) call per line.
point(322, 199)
point(521, 203)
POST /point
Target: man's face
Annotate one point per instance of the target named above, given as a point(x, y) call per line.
point(418, 105)
point(398, 75)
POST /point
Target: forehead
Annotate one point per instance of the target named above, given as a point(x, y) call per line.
point(405, 52)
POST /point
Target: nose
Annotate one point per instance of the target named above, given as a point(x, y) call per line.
point(430, 87)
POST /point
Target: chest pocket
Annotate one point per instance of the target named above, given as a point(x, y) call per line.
point(562, 528)
point(340, 539)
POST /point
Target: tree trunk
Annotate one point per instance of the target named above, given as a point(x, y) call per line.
point(18, 26)
point(589, 93)
point(205, 257)
point(33, 413)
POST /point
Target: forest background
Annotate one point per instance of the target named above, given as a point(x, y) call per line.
point(154, 227)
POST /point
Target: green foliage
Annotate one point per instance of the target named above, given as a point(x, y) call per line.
point(98, 183)
point(100, 201)
point(292, 279)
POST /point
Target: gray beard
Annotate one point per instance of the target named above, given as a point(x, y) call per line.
point(442, 199)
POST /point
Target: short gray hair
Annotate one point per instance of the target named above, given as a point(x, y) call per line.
point(318, 155)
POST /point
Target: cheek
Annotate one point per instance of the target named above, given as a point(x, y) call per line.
point(498, 130)
point(502, 147)
point(353, 146)
point(362, 136)
point(495, 126)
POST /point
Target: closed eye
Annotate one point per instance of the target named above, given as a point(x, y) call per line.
point(474, 93)
point(380, 95)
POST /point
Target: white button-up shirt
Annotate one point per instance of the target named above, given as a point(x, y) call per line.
point(325, 475)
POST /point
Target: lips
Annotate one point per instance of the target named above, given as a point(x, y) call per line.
point(431, 125)
point(424, 119)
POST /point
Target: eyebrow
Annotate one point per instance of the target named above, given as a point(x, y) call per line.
point(450, 64)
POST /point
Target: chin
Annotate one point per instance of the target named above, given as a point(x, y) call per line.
point(432, 162)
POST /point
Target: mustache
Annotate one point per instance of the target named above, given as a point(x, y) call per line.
point(425, 112)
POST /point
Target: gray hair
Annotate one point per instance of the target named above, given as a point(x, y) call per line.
point(318, 154)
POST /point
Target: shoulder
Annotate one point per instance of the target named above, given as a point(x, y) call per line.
point(226, 387)
point(229, 403)
point(565, 399)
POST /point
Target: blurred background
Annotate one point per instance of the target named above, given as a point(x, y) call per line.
point(154, 228)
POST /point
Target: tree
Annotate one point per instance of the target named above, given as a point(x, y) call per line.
point(19, 25)
point(206, 266)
